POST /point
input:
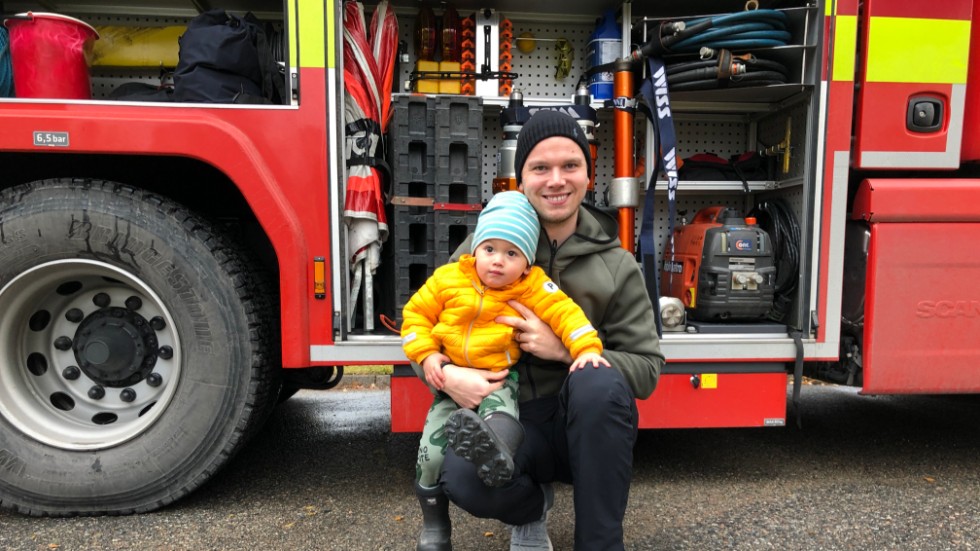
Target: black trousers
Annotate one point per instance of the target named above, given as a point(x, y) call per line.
point(585, 437)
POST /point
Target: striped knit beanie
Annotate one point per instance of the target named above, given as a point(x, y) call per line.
point(545, 124)
point(509, 216)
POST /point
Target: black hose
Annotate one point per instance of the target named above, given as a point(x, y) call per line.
point(725, 71)
point(777, 218)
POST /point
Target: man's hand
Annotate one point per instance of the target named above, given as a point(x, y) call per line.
point(535, 336)
point(468, 387)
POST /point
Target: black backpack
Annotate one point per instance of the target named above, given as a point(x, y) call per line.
point(227, 59)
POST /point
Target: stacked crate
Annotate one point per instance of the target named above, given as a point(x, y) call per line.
point(436, 144)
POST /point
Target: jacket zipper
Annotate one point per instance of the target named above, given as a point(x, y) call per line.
point(469, 329)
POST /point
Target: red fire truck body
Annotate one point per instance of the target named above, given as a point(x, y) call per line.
point(170, 270)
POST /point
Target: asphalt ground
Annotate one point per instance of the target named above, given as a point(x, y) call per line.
point(864, 473)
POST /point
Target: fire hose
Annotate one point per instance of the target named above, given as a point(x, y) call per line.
point(714, 39)
point(736, 31)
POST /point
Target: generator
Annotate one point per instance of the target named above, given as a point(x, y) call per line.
point(721, 267)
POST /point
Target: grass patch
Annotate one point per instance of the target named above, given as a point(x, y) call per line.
point(368, 369)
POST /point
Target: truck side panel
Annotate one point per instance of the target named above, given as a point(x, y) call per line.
point(912, 92)
point(922, 311)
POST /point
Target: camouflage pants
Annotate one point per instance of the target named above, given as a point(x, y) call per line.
point(432, 447)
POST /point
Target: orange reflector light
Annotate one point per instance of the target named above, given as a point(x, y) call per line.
point(319, 277)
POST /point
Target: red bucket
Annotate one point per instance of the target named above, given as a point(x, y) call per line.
point(49, 54)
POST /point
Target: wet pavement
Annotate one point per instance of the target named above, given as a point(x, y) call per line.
point(863, 473)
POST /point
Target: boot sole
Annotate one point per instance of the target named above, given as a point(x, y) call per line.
point(473, 440)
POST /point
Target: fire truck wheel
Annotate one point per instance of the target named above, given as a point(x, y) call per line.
point(132, 356)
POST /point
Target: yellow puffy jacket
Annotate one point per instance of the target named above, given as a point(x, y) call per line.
point(454, 313)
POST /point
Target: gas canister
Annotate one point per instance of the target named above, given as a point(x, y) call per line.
point(721, 267)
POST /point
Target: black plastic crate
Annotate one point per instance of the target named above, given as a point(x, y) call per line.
point(458, 119)
point(459, 149)
point(459, 173)
point(410, 274)
point(414, 118)
point(413, 231)
point(412, 146)
point(452, 227)
point(413, 239)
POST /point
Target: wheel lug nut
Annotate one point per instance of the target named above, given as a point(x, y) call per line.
point(62, 343)
point(96, 392)
point(127, 395)
point(101, 300)
point(134, 303)
point(154, 379)
point(74, 315)
point(71, 373)
point(157, 323)
point(166, 352)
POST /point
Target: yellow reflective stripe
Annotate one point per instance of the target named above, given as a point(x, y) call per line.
point(828, 7)
point(331, 41)
point(291, 26)
point(311, 35)
point(845, 47)
point(905, 49)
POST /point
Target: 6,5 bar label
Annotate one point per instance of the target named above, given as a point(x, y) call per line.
point(46, 138)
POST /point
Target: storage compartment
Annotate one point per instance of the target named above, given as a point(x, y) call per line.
point(137, 51)
point(776, 121)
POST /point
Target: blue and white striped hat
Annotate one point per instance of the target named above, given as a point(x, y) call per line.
point(509, 216)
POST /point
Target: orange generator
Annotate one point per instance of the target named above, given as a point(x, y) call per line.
point(721, 267)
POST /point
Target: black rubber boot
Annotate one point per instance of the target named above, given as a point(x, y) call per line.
point(437, 529)
point(488, 443)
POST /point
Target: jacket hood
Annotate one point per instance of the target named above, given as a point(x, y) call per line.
point(596, 231)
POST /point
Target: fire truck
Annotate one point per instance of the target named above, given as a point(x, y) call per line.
point(172, 269)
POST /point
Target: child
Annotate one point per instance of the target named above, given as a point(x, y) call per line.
point(450, 319)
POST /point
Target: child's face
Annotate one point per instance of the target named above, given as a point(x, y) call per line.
point(500, 263)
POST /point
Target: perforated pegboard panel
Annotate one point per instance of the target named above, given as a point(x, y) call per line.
point(723, 136)
point(537, 68)
point(493, 139)
point(772, 131)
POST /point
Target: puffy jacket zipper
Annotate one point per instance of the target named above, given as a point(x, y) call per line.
point(469, 328)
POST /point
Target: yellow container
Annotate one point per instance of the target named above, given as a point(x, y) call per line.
point(437, 85)
point(137, 46)
point(449, 85)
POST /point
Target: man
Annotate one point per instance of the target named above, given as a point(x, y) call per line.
point(580, 426)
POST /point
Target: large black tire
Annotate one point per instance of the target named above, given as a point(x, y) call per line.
point(133, 358)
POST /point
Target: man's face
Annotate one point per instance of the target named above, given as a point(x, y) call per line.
point(555, 179)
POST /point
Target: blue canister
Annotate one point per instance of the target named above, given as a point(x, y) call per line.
point(605, 46)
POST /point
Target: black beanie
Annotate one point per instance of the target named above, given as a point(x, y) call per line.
point(545, 124)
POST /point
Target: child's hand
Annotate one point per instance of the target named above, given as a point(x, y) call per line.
point(432, 367)
point(588, 358)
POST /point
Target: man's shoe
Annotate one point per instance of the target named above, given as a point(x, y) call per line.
point(533, 536)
